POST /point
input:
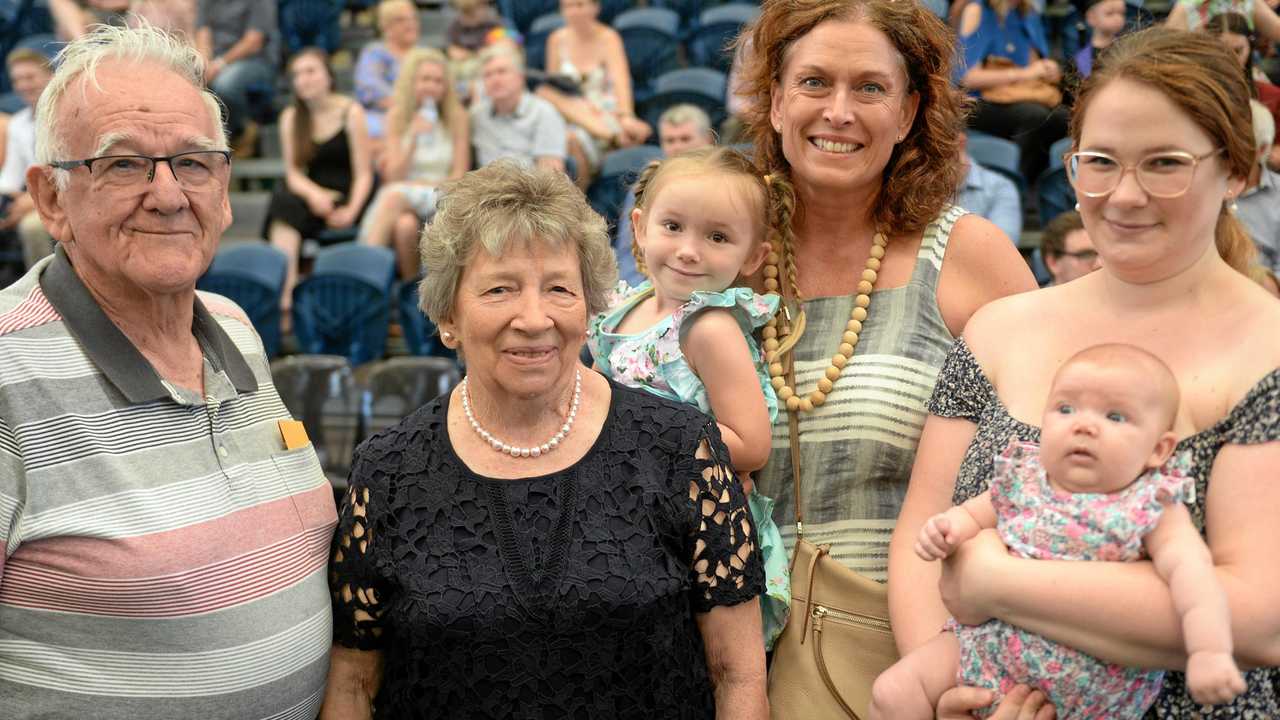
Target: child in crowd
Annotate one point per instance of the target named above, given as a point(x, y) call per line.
point(1107, 421)
point(702, 221)
point(1105, 19)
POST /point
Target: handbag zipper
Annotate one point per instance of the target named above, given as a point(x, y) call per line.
point(820, 612)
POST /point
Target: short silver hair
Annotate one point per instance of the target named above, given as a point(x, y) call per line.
point(503, 204)
point(81, 57)
point(503, 49)
point(1264, 127)
point(684, 113)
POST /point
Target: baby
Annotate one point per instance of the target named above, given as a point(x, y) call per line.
point(1107, 421)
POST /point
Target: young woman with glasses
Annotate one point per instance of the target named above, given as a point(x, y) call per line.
point(1161, 150)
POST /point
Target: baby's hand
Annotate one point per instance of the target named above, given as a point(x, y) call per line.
point(1213, 677)
point(936, 540)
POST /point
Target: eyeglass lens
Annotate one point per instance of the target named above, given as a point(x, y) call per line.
point(1160, 175)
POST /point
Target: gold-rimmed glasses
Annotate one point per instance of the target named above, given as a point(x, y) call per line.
point(195, 170)
point(1165, 174)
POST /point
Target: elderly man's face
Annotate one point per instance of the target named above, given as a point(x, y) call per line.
point(142, 239)
point(503, 82)
point(678, 137)
point(28, 81)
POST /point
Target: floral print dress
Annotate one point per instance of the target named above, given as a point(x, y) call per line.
point(1038, 521)
point(652, 360)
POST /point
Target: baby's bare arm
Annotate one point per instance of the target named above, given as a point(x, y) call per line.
point(944, 532)
point(1184, 561)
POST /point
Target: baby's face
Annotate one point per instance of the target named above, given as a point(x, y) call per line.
point(1101, 428)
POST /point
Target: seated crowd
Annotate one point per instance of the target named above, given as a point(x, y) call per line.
point(823, 453)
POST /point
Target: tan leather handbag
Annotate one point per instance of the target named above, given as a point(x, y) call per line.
point(1036, 91)
point(837, 639)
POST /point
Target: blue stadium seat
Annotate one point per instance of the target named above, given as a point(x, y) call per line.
point(251, 274)
point(395, 387)
point(320, 391)
point(1053, 190)
point(344, 307)
point(688, 10)
point(315, 23)
point(522, 13)
point(651, 38)
point(617, 172)
point(610, 9)
point(419, 332)
point(535, 41)
point(11, 103)
point(703, 87)
point(997, 154)
point(937, 7)
point(717, 27)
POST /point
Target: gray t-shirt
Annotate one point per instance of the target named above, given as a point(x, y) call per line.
point(534, 130)
point(229, 20)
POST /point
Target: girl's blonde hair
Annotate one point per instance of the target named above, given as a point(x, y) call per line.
point(403, 102)
point(775, 199)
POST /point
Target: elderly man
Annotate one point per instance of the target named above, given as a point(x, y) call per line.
point(1066, 249)
point(29, 71)
point(510, 121)
point(681, 127)
point(164, 525)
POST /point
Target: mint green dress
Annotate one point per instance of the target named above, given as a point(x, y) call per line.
point(652, 360)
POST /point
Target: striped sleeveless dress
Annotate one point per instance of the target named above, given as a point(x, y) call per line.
point(856, 450)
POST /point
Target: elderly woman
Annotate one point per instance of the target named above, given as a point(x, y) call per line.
point(378, 65)
point(852, 101)
point(540, 542)
point(1162, 151)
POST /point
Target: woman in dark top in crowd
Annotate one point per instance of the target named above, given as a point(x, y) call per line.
point(540, 542)
point(328, 170)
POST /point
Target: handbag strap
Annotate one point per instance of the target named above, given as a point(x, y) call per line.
point(793, 420)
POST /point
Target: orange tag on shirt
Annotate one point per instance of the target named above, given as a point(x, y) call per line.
point(293, 434)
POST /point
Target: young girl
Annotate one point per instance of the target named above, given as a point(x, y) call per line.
point(1107, 421)
point(428, 142)
point(700, 224)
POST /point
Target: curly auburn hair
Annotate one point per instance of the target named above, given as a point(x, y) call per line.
point(1201, 77)
point(924, 170)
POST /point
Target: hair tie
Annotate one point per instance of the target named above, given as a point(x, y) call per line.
point(767, 178)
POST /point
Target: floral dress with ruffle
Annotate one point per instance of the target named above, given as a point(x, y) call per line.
point(652, 360)
point(1037, 521)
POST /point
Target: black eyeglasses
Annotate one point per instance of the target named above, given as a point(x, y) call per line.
point(195, 170)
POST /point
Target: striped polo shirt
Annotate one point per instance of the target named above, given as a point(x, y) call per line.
point(162, 554)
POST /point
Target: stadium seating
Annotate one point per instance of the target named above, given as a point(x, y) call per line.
point(343, 308)
point(251, 274)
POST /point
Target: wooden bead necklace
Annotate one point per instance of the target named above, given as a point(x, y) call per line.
point(780, 338)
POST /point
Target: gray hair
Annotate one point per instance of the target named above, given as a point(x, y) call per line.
point(81, 57)
point(503, 49)
point(685, 113)
point(502, 204)
point(1264, 128)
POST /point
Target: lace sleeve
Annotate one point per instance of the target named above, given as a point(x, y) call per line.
point(356, 592)
point(726, 567)
point(962, 390)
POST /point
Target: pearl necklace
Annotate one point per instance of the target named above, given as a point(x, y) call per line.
point(536, 450)
point(778, 341)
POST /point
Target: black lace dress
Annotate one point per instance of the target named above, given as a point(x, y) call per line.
point(963, 391)
point(570, 595)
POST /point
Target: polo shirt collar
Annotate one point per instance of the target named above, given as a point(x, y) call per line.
point(522, 107)
point(122, 363)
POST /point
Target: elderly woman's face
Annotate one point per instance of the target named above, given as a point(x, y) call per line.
point(521, 318)
point(841, 105)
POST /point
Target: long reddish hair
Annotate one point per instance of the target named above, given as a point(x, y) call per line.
point(925, 168)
